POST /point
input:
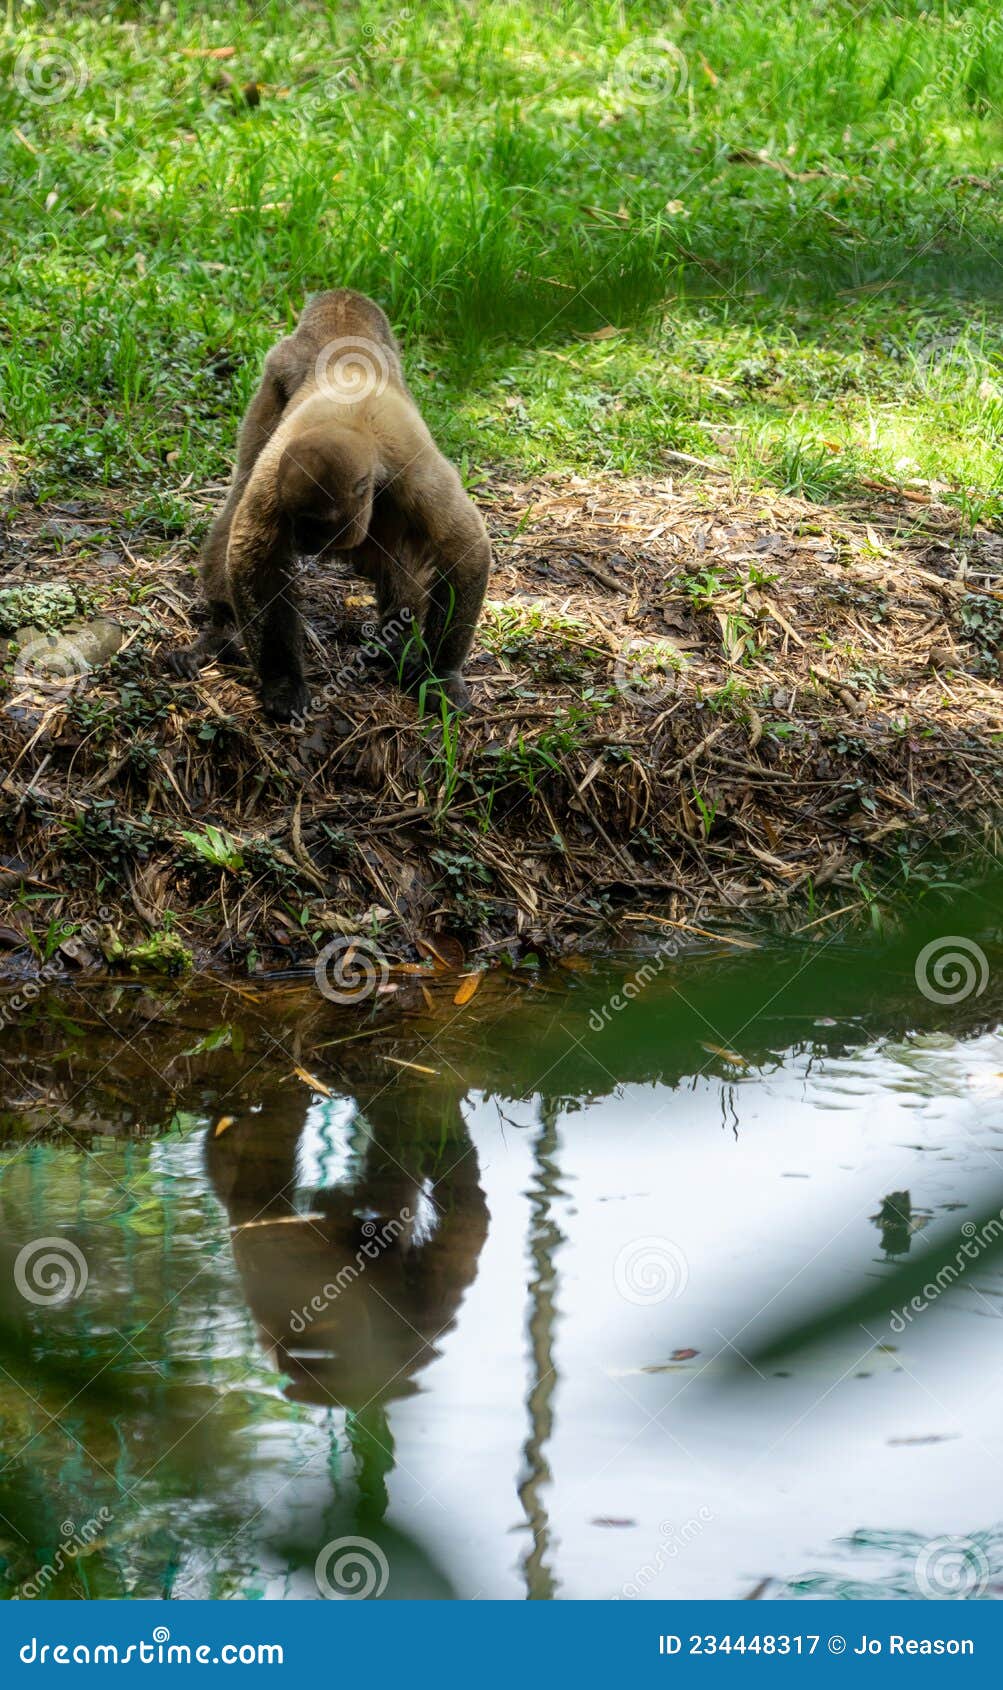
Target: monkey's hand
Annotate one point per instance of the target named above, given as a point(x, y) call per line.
point(185, 661)
point(214, 646)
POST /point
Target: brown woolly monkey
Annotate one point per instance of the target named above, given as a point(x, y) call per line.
point(334, 456)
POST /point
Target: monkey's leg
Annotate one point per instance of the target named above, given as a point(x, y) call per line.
point(402, 599)
point(218, 639)
point(454, 604)
point(260, 578)
point(401, 595)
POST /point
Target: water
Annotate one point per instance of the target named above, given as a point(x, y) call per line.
point(472, 1283)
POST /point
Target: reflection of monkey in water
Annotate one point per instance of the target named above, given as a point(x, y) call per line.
point(353, 1291)
point(334, 456)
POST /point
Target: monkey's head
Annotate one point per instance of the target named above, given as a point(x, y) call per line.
point(325, 484)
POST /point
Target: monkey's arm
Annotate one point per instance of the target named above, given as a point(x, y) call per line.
point(260, 564)
point(261, 419)
point(459, 554)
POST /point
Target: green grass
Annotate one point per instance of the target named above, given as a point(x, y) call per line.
point(507, 178)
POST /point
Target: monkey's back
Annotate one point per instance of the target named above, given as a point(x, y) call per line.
point(343, 314)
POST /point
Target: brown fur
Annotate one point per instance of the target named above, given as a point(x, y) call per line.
point(324, 467)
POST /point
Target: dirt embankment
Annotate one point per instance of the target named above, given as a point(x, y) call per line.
point(688, 705)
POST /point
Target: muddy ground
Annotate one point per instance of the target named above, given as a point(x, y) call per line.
point(691, 707)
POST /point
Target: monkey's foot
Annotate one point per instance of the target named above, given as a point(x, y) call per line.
point(455, 689)
point(452, 687)
point(284, 697)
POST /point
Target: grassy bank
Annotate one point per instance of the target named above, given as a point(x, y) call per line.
point(780, 221)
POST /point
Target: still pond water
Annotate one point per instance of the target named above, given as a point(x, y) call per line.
point(473, 1283)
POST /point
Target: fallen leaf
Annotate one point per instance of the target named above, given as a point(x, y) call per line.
point(468, 987)
point(208, 52)
point(416, 1067)
point(727, 1055)
point(602, 215)
point(931, 1438)
point(446, 951)
point(312, 1081)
